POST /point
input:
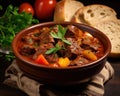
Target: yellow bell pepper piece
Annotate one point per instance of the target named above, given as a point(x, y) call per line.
point(89, 54)
point(64, 62)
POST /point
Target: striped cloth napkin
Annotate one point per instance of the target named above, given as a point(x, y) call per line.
point(94, 87)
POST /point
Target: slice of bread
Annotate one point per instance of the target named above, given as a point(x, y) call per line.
point(79, 16)
point(112, 29)
point(93, 14)
point(65, 9)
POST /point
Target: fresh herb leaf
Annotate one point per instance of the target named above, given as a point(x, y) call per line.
point(66, 41)
point(54, 49)
point(11, 23)
point(62, 31)
point(60, 34)
point(1, 7)
point(9, 56)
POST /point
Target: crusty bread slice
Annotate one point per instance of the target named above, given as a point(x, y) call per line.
point(65, 9)
point(79, 16)
point(112, 29)
point(93, 14)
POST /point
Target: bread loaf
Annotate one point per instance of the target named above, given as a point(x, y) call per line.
point(112, 29)
point(102, 17)
point(93, 14)
point(65, 9)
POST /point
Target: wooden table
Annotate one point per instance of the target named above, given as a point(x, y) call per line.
point(112, 88)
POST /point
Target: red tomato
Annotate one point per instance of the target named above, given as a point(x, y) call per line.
point(44, 9)
point(26, 7)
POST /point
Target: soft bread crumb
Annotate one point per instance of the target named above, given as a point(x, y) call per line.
point(65, 9)
point(112, 29)
point(95, 13)
point(71, 6)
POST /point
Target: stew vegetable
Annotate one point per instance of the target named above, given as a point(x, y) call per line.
point(60, 46)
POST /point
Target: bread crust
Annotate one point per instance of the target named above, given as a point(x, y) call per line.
point(60, 14)
point(93, 14)
point(112, 29)
point(79, 16)
point(59, 11)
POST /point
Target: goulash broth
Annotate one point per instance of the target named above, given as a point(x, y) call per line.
point(60, 46)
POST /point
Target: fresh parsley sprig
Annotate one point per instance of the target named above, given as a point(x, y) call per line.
point(54, 49)
point(58, 35)
point(10, 24)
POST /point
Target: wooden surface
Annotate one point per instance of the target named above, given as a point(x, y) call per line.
point(112, 88)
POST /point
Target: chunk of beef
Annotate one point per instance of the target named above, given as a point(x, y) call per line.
point(75, 45)
point(53, 58)
point(90, 43)
point(27, 50)
point(74, 32)
point(79, 61)
point(42, 49)
point(45, 36)
point(87, 47)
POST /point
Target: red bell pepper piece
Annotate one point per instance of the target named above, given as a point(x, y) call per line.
point(41, 60)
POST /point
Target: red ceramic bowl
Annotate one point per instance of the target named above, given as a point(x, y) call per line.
point(62, 76)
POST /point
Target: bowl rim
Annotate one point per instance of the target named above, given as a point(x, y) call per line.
point(79, 25)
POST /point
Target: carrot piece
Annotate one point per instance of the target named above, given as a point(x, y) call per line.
point(41, 60)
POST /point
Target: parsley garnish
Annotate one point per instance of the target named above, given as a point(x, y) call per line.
point(58, 35)
point(11, 23)
point(54, 49)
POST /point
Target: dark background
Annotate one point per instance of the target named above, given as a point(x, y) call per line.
point(112, 3)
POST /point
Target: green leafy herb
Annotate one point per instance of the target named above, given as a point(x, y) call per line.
point(59, 35)
point(11, 23)
point(54, 49)
point(1, 7)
